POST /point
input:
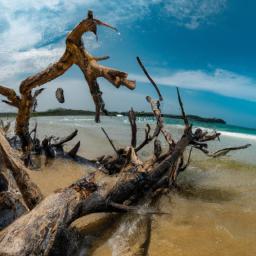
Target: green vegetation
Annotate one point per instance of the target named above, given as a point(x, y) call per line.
point(74, 112)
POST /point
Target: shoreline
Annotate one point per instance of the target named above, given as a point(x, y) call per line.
point(118, 128)
point(72, 112)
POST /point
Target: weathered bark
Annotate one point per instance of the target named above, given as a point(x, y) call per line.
point(5, 127)
point(52, 217)
point(65, 139)
point(96, 193)
point(10, 94)
point(132, 120)
point(29, 190)
point(73, 152)
point(12, 204)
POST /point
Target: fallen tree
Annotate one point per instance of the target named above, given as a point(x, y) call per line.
point(41, 230)
point(120, 181)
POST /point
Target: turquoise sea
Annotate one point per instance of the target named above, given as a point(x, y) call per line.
point(218, 127)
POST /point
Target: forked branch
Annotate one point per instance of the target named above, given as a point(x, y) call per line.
point(184, 116)
point(75, 53)
point(150, 79)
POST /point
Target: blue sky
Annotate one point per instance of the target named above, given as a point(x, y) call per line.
point(206, 47)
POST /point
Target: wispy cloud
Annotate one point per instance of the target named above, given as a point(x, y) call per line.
point(192, 13)
point(31, 29)
point(220, 81)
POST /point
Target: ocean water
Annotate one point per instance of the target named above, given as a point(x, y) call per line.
point(225, 129)
point(214, 213)
point(119, 129)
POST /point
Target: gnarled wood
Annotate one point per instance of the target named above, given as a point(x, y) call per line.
point(11, 95)
point(30, 192)
point(12, 205)
point(98, 192)
point(75, 53)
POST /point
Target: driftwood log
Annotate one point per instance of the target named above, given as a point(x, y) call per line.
point(41, 231)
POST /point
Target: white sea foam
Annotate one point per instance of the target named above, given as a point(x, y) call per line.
point(223, 133)
point(83, 119)
point(232, 134)
point(142, 120)
point(177, 126)
point(79, 123)
point(65, 119)
point(239, 135)
point(71, 119)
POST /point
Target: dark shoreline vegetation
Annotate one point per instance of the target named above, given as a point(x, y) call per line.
point(74, 112)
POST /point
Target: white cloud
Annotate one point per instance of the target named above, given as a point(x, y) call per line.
point(220, 81)
point(29, 29)
point(29, 26)
point(29, 61)
point(192, 13)
point(33, 60)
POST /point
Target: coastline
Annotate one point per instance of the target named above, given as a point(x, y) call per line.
point(118, 128)
point(73, 112)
